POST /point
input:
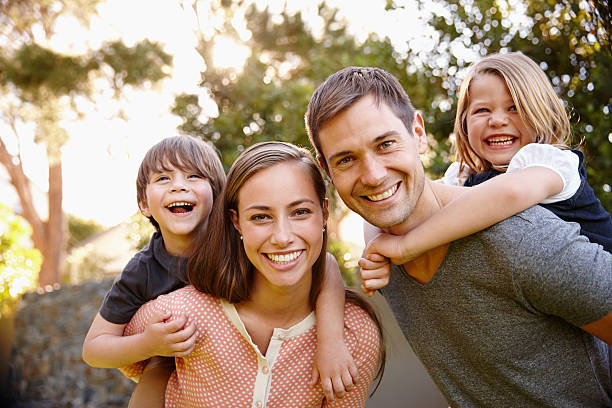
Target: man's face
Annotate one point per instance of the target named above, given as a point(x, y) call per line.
point(373, 161)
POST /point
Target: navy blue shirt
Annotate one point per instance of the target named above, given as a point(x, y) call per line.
point(150, 273)
point(583, 207)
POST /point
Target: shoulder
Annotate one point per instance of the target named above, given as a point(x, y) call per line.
point(188, 296)
point(358, 321)
point(455, 174)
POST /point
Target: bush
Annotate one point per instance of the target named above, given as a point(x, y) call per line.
point(19, 262)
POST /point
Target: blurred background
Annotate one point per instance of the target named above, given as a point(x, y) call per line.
point(88, 86)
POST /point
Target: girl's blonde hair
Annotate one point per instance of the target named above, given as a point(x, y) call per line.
point(536, 102)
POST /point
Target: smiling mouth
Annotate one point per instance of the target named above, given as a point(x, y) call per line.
point(500, 140)
point(383, 195)
point(180, 207)
point(284, 258)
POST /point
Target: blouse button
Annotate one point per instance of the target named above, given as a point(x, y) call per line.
point(265, 370)
point(258, 404)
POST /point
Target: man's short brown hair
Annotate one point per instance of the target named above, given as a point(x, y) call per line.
point(344, 88)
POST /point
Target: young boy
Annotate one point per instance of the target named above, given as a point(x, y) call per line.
point(178, 181)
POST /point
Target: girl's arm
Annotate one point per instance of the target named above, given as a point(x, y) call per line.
point(106, 347)
point(334, 364)
point(475, 209)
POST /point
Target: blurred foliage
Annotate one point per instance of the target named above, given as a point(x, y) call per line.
point(570, 39)
point(140, 231)
point(19, 263)
point(44, 89)
point(347, 263)
point(84, 263)
point(80, 229)
point(267, 98)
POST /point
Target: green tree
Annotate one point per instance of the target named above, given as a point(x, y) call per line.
point(571, 41)
point(80, 229)
point(19, 263)
point(42, 87)
point(267, 98)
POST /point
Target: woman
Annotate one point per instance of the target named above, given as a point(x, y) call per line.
point(254, 315)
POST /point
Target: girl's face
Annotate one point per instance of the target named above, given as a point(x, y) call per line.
point(281, 221)
point(494, 126)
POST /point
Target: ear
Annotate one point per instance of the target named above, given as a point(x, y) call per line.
point(144, 209)
point(234, 218)
point(418, 130)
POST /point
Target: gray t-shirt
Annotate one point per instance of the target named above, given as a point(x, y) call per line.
point(497, 325)
point(150, 273)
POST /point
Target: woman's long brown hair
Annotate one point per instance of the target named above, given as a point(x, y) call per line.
point(218, 264)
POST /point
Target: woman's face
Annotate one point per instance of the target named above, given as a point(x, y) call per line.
point(281, 222)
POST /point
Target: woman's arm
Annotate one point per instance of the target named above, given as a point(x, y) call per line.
point(333, 363)
point(473, 210)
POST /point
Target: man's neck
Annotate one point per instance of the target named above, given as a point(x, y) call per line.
point(434, 197)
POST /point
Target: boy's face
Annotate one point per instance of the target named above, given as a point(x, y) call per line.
point(178, 201)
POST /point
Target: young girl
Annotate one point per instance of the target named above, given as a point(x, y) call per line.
point(253, 303)
point(509, 123)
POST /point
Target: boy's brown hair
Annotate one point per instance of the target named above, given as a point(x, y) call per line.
point(347, 86)
point(185, 153)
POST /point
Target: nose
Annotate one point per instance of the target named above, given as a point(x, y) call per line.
point(283, 233)
point(373, 171)
point(498, 119)
point(179, 184)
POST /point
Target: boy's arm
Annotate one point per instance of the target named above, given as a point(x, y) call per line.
point(150, 391)
point(106, 347)
point(473, 210)
point(334, 364)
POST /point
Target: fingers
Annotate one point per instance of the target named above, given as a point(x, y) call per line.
point(369, 264)
point(314, 378)
point(328, 389)
point(159, 316)
point(176, 324)
point(367, 292)
point(339, 386)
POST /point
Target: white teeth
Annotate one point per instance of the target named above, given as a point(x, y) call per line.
point(179, 203)
point(383, 195)
point(500, 141)
point(284, 258)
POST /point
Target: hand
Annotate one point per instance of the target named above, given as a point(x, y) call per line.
point(399, 249)
point(169, 338)
point(335, 367)
point(375, 272)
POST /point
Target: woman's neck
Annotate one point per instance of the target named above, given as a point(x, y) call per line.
point(273, 307)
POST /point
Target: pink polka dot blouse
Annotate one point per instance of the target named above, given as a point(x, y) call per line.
point(226, 369)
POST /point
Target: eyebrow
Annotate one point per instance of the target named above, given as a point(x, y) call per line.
point(376, 140)
point(292, 204)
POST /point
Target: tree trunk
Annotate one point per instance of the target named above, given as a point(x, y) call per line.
point(54, 245)
point(47, 237)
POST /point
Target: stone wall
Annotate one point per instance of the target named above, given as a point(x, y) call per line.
point(46, 370)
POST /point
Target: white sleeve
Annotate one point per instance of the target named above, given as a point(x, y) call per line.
point(564, 162)
point(455, 175)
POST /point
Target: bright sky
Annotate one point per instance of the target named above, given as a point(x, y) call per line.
point(102, 157)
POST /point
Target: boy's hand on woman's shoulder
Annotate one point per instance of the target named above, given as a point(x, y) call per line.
point(170, 338)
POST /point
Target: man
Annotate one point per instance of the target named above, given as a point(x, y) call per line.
point(516, 315)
